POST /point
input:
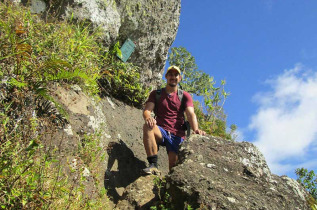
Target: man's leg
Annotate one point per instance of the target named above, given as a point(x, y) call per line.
point(151, 137)
point(173, 145)
point(172, 159)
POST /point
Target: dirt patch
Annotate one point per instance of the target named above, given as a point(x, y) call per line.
point(76, 101)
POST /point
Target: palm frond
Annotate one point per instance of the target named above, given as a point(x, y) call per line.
point(46, 108)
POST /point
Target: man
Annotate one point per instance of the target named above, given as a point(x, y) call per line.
point(167, 128)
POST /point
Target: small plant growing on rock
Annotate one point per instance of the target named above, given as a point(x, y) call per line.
point(309, 180)
point(165, 201)
point(122, 80)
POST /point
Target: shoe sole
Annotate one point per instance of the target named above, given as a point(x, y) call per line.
point(153, 172)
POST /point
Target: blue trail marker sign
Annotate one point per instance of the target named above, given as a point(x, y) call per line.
point(126, 50)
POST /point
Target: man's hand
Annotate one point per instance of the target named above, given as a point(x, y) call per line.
point(200, 132)
point(151, 122)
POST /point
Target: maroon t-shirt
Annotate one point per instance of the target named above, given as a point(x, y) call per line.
point(169, 113)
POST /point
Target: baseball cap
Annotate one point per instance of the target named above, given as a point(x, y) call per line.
point(173, 68)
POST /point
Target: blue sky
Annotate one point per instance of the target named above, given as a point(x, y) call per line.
point(266, 50)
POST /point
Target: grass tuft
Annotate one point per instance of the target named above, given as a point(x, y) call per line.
point(34, 55)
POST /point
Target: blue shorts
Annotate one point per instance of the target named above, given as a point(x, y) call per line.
point(171, 141)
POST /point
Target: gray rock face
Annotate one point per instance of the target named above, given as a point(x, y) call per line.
point(120, 128)
point(151, 25)
point(142, 194)
point(219, 174)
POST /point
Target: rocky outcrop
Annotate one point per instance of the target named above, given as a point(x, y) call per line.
point(217, 174)
point(151, 25)
point(119, 127)
point(212, 173)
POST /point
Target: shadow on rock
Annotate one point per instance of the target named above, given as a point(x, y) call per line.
point(123, 169)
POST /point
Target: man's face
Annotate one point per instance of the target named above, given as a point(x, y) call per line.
point(173, 78)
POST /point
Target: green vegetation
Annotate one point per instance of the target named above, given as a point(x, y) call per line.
point(210, 114)
point(165, 200)
point(34, 56)
point(309, 180)
point(122, 80)
point(33, 175)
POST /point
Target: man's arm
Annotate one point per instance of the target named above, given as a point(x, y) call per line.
point(149, 120)
point(191, 116)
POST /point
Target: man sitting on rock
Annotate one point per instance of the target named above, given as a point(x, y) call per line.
point(167, 129)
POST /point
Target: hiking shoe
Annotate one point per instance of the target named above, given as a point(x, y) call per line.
point(152, 169)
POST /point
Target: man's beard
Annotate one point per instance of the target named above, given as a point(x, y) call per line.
point(172, 85)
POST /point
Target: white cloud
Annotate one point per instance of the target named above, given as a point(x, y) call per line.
point(286, 120)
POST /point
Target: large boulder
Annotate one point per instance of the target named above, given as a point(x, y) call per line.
point(217, 174)
point(151, 25)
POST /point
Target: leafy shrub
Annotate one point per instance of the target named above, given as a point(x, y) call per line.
point(33, 56)
point(216, 127)
point(122, 80)
point(309, 180)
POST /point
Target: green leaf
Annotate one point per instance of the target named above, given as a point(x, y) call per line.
point(17, 83)
point(33, 144)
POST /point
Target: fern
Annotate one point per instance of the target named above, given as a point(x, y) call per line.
point(46, 108)
point(15, 83)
